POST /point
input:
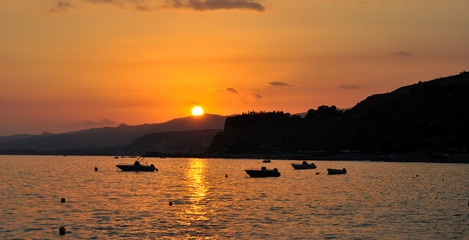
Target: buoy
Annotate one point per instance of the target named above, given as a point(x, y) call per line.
point(317, 173)
point(62, 230)
point(417, 175)
point(170, 203)
point(62, 200)
point(226, 175)
point(95, 169)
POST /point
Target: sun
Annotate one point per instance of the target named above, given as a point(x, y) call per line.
point(197, 111)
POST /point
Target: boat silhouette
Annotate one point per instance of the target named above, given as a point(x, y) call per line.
point(303, 165)
point(264, 172)
point(332, 171)
point(137, 167)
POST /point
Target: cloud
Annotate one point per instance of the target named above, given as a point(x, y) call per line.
point(140, 5)
point(257, 96)
point(349, 87)
point(232, 90)
point(401, 54)
point(279, 84)
point(214, 90)
point(211, 5)
point(62, 6)
point(155, 5)
point(103, 122)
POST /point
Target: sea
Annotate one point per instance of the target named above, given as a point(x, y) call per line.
point(191, 198)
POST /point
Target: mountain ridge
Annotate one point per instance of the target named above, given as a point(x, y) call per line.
point(420, 118)
point(106, 137)
point(423, 119)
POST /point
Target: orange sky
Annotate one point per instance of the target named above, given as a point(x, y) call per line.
point(74, 64)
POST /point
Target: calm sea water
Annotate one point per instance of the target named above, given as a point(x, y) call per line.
point(372, 201)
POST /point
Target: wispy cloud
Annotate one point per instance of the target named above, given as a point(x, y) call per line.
point(257, 96)
point(279, 84)
point(140, 5)
point(214, 90)
point(211, 5)
point(232, 90)
point(103, 122)
point(401, 54)
point(104, 1)
point(61, 6)
point(350, 87)
point(155, 5)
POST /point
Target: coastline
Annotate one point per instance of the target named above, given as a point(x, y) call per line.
point(432, 157)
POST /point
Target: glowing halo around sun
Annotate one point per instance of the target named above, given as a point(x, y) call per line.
point(197, 111)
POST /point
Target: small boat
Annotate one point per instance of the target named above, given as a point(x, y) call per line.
point(137, 167)
point(264, 172)
point(331, 171)
point(304, 165)
point(266, 161)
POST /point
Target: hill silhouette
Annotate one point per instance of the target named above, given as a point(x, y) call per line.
point(427, 117)
point(171, 143)
point(106, 140)
point(426, 121)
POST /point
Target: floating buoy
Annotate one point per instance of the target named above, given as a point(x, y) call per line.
point(417, 175)
point(62, 230)
point(62, 200)
point(317, 173)
point(170, 203)
point(95, 169)
point(226, 175)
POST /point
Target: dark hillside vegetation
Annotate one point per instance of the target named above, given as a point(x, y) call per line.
point(424, 117)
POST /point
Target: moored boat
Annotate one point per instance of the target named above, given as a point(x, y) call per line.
point(303, 165)
point(137, 167)
point(332, 171)
point(264, 172)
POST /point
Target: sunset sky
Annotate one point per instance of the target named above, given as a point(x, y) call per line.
point(75, 64)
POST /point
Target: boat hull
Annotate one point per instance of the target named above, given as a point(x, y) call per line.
point(331, 171)
point(133, 168)
point(303, 166)
point(262, 173)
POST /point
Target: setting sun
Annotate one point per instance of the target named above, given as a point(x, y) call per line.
point(197, 111)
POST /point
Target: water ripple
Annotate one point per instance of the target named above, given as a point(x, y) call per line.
point(373, 201)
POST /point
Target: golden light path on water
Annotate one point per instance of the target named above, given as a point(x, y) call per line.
point(215, 199)
point(196, 211)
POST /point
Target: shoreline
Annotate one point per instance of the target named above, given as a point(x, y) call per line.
point(371, 157)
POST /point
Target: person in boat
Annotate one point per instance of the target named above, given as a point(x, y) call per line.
point(136, 163)
point(305, 163)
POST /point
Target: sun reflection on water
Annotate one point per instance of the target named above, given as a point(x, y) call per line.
point(197, 192)
point(373, 201)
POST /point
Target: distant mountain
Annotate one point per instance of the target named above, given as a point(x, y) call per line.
point(14, 137)
point(181, 142)
point(425, 117)
point(103, 138)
